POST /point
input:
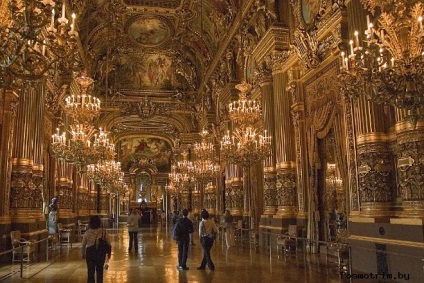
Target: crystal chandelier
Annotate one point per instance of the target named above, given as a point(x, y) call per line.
point(82, 107)
point(245, 146)
point(33, 38)
point(78, 149)
point(182, 174)
point(389, 66)
point(204, 166)
point(107, 174)
point(244, 111)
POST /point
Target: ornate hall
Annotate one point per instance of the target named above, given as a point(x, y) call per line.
point(302, 119)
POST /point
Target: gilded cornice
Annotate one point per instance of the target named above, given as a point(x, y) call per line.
point(275, 39)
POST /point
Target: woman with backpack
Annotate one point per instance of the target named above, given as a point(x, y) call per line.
point(95, 245)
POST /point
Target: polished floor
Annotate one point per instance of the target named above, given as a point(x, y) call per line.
point(156, 260)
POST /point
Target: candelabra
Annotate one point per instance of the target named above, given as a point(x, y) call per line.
point(29, 45)
point(389, 66)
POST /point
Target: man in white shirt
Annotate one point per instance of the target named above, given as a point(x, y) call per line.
point(132, 224)
point(207, 234)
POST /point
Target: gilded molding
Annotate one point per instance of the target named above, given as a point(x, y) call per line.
point(286, 192)
point(375, 179)
point(269, 192)
point(373, 137)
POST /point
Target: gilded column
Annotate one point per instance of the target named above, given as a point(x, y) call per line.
point(196, 202)
point(237, 193)
point(285, 144)
point(25, 199)
point(210, 199)
point(104, 203)
point(376, 184)
point(410, 164)
point(228, 184)
point(264, 77)
point(38, 165)
point(8, 104)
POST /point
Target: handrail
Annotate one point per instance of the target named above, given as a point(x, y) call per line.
point(21, 248)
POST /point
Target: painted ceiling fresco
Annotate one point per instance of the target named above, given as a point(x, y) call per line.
point(156, 151)
point(149, 31)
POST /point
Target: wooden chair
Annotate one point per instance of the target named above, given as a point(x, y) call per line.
point(81, 229)
point(27, 250)
point(65, 235)
point(287, 242)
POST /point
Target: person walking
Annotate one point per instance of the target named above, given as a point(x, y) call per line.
point(207, 234)
point(95, 259)
point(229, 228)
point(132, 224)
point(184, 227)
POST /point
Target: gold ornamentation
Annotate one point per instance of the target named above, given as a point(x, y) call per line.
point(388, 68)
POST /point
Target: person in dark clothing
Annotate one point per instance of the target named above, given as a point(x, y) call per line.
point(183, 230)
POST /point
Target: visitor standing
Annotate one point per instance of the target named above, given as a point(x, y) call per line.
point(183, 229)
point(229, 228)
point(95, 259)
point(207, 234)
point(132, 224)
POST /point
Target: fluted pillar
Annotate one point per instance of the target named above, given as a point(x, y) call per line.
point(38, 165)
point(376, 184)
point(270, 191)
point(26, 199)
point(285, 149)
point(410, 164)
point(8, 104)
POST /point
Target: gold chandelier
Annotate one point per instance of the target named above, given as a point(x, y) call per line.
point(107, 174)
point(78, 149)
point(244, 111)
point(182, 174)
point(82, 107)
point(33, 38)
point(389, 66)
point(245, 145)
point(204, 166)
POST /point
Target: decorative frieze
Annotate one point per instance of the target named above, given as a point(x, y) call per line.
point(375, 179)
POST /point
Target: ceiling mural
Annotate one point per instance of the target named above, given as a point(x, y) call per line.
point(155, 151)
point(149, 31)
point(148, 71)
point(157, 3)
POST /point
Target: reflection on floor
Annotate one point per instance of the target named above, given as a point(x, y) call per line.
point(156, 261)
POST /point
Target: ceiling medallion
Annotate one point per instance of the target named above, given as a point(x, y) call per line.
point(149, 30)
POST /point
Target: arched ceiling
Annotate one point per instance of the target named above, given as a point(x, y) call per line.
point(148, 59)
